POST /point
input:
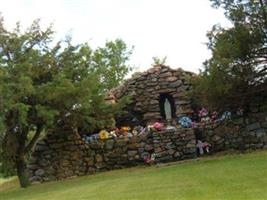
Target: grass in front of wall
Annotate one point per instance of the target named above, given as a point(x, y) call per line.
point(230, 177)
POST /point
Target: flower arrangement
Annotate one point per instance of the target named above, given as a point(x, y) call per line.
point(124, 131)
point(205, 118)
point(158, 126)
point(185, 122)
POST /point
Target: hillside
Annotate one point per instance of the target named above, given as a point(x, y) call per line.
point(238, 176)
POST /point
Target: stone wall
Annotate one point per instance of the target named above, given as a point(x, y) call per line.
point(63, 154)
point(236, 136)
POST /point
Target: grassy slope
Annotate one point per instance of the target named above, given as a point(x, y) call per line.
point(225, 177)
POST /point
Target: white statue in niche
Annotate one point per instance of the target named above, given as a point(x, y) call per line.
point(167, 109)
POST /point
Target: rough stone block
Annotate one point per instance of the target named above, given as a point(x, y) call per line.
point(132, 153)
point(171, 151)
point(98, 158)
point(253, 126)
point(36, 179)
point(40, 147)
point(260, 133)
point(39, 172)
point(176, 84)
point(149, 147)
point(109, 144)
point(177, 154)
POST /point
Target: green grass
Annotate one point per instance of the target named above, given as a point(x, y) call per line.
point(222, 177)
point(5, 180)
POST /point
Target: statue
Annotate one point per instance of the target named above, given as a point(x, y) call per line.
point(167, 109)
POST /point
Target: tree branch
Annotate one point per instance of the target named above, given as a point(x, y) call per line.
point(34, 139)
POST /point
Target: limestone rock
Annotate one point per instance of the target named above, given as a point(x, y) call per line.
point(172, 79)
point(35, 179)
point(175, 84)
point(149, 147)
point(99, 158)
point(109, 144)
point(165, 74)
point(132, 153)
point(39, 172)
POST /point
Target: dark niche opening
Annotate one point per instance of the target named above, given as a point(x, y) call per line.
point(162, 98)
point(130, 118)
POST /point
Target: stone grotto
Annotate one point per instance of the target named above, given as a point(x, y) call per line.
point(158, 97)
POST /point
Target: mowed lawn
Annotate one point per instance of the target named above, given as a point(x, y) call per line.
point(222, 177)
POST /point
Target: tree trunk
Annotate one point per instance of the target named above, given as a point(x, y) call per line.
point(22, 171)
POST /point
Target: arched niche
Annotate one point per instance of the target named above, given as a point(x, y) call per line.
point(170, 98)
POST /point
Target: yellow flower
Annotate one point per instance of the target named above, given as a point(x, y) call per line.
point(103, 134)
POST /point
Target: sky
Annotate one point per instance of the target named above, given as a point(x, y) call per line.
point(156, 28)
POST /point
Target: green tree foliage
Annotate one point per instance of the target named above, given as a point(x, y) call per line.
point(235, 76)
point(159, 61)
point(45, 86)
point(110, 62)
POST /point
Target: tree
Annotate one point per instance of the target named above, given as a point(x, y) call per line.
point(47, 86)
point(235, 76)
point(110, 62)
point(159, 61)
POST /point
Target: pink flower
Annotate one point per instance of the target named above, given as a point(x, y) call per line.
point(158, 126)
